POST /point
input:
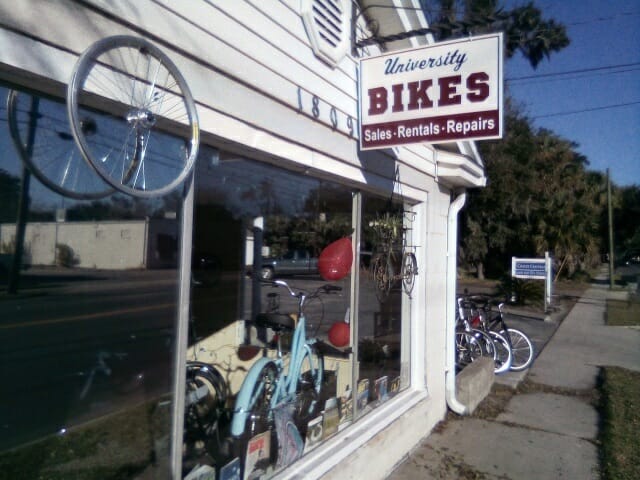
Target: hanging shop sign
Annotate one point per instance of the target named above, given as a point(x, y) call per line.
point(441, 93)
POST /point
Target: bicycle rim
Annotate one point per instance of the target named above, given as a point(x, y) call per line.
point(383, 276)
point(308, 388)
point(45, 145)
point(504, 356)
point(468, 349)
point(487, 343)
point(260, 414)
point(205, 401)
point(409, 271)
point(144, 136)
point(522, 349)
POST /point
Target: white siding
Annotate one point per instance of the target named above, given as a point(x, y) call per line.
point(248, 63)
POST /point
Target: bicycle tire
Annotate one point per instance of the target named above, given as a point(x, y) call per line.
point(522, 348)
point(252, 413)
point(504, 355)
point(137, 91)
point(409, 271)
point(45, 146)
point(468, 349)
point(203, 410)
point(382, 276)
point(486, 341)
point(308, 387)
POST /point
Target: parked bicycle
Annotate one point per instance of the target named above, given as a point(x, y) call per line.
point(272, 382)
point(519, 343)
point(394, 259)
point(472, 343)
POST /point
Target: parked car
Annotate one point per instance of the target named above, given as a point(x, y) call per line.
point(294, 262)
point(629, 258)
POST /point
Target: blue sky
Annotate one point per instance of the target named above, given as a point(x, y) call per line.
point(606, 127)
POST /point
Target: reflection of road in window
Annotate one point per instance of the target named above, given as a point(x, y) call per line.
point(101, 322)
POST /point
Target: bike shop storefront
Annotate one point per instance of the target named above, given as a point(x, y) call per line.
point(143, 333)
point(93, 306)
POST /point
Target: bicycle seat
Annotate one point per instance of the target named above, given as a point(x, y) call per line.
point(275, 321)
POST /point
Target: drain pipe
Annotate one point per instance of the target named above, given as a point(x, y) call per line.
point(450, 360)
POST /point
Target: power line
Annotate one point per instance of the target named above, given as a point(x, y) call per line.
point(569, 72)
point(573, 112)
point(569, 78)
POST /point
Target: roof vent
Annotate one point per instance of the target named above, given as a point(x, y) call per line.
point(327, 25)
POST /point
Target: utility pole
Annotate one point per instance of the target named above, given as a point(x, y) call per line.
point(610, 211)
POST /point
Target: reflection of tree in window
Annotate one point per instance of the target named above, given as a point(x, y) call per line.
point(9, 195)
point(167, 246)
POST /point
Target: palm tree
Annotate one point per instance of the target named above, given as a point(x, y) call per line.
point(525, 29)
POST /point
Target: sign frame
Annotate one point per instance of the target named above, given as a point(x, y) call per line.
point(444, 92)
point(529, 269)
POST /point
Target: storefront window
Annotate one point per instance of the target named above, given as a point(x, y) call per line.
point(88, 308)
point(385, 292)
point(290, 338)
point(261, 235)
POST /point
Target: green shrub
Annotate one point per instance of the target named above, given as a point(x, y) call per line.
point(65, 256)
point(521, 292)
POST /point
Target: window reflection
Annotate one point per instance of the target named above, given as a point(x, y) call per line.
point(87, 310)
point(90, 311)
point(256, 223)
point(383, 363)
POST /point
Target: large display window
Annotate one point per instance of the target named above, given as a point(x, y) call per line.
point(299, 306)
point(88, 309)
point(262, 235)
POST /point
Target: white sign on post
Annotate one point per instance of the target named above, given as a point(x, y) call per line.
point(445, 92)
point(535, 269)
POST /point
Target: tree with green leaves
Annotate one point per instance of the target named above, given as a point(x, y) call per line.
point(525, 30)
point(540, 197)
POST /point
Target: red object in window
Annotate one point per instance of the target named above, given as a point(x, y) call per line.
point(335, 260)
point(339, 334)
point(475, 321)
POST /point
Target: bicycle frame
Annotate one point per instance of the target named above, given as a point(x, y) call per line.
point(288, 374)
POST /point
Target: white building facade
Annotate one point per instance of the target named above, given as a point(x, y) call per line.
point(275, 84)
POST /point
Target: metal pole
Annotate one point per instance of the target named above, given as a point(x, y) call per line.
point(23, 206)
point(611, 248)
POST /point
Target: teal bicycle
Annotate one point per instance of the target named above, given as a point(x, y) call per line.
point(295, 379)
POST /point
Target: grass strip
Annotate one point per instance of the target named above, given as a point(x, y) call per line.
point(619, 438)
point(623, 313)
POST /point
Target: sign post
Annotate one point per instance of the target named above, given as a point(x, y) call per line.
point(535, 269)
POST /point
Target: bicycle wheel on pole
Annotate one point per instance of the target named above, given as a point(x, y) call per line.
point(42, 138)
point(144, 135)
point(521, 347)
point(409, 270)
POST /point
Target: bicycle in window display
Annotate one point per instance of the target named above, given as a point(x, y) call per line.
point(293, 381)
point(394, 260)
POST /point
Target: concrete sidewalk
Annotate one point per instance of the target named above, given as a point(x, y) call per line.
point(550, 430)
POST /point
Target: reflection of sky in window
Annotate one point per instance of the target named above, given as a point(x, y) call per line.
point(249, 188)
point(246, 187)
point(54, 141)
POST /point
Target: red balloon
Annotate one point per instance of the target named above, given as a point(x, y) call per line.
point(335, 260)
point(339, 334)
